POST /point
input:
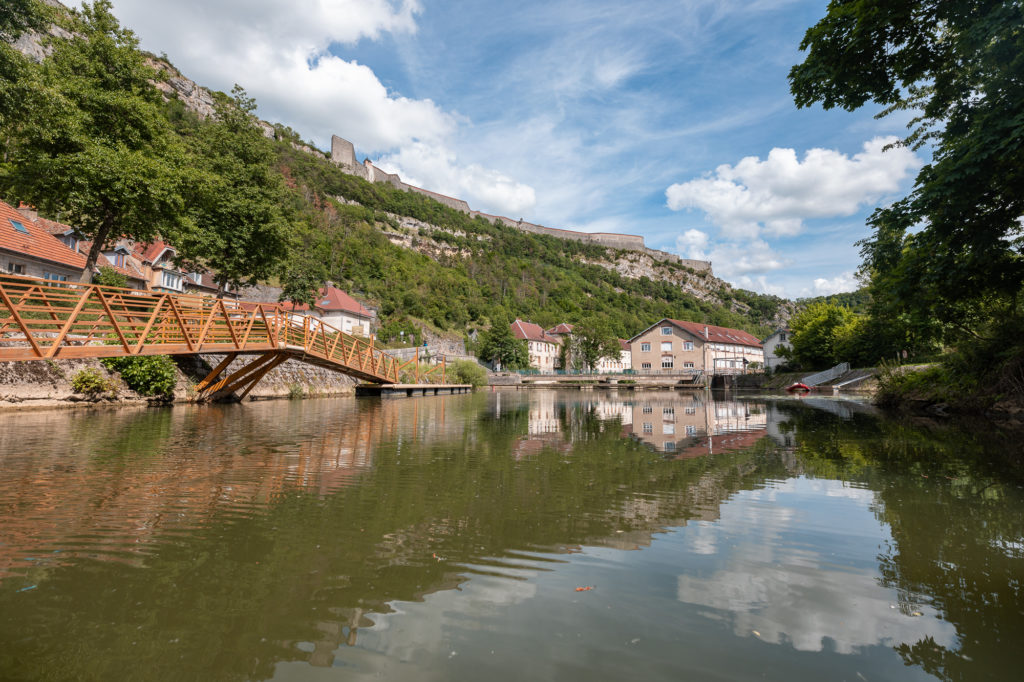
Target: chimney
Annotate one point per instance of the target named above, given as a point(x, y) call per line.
point(28, 211)
point(706, 332)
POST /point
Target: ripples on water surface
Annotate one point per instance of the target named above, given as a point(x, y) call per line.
point(446, 538)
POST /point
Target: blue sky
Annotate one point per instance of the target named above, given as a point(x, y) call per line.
point(672, 120)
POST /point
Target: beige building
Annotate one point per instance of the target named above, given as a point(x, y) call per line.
point(676, 346)
point(543, 347)
point(336, 308)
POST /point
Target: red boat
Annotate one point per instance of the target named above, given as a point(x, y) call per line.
point(803, 388)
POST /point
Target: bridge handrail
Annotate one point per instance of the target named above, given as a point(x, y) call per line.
point(43, 319)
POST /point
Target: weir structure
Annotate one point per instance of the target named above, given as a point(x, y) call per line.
point(47, 319)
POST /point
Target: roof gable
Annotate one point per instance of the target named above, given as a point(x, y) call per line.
point(529, 331)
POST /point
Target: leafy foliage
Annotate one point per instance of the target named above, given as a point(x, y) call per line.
point(501, 349)
point(592, 341)
point(239, 230)
point(146, 374)
point(816, 330)
point(97, 149)
point(466, 372)
point(109, 277)
point(91, 382)
point(945, 262)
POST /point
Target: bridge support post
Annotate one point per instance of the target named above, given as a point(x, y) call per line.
point(244, 379)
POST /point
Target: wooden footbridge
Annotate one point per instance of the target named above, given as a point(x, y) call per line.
point(45, 319)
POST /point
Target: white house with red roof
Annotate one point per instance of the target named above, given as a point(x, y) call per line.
point(26, 248)
point(543, 347)
point(336, 308)
point(679, 346)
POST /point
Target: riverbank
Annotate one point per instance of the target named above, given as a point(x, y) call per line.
point(47, 384)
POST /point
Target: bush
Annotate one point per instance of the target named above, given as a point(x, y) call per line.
point(146, 374)
point(109, 277)
point(466, 372)
point(296, 392)
point(91, 382)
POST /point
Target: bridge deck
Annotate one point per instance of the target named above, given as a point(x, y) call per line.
point(44, 319)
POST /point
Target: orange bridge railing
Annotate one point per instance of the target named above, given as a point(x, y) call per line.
point(45, 319)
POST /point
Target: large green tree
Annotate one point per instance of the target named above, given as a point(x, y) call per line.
point(951, 250)
point(240, 230)
point(499, 347)
point(591, 341)
point(816, 329)
point(16, 17)
point(97, 150)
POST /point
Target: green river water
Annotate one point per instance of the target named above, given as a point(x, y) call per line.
point(446, 538)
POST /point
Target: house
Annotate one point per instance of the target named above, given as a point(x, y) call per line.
point(778, 339)
point(680, 346)
point(336, 308)
point(543, 347)
point(26, 248)
point(562, 333)
point(118, 257)
point(164, 275)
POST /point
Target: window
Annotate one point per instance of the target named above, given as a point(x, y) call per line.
point(648, 409)
point(70, 241)
point(16, 268)
point(645, 347)
point(119, 260)
point(688, 365)
point(648, 428)
point(782, 336)
point(171, 280)
point(668, 411)
point(645, 365)
point(691, 430)
point(691, 410)
point(667, 363)
point(668, 429)
point(666, 346)
point(56, 276)
point(18, 227)
point(666, 331)
point(687, 345)
point(670, 446)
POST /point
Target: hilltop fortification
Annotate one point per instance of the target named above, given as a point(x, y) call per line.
point(343, 154)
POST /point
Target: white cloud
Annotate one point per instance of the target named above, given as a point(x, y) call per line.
point(846, 281)
point(693, 244)
point(435, 167)
point(777, 194)
point(280, 53)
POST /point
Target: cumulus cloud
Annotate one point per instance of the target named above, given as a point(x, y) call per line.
point(847, 281)
point(280, 52)
point(693, 244)
point(436, 168)
point(777, 194)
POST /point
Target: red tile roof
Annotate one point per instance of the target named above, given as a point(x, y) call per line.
point(332, 299)
point(37, 242)
point(719, 334)
point(624, 344)
point(562, 328)
point(531, 332)
point(150, 252)
point(713, 334)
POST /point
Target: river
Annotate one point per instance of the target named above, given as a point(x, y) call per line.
point(509, 535)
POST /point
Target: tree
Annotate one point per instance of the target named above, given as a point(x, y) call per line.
point(240, 230)
point(501, 349)
point(592, 341)
point(951, 250)
point(97, 150)
point(16, 17)
point(109, 277)
point(815, 328)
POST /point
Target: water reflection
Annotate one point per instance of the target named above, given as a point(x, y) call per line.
point(367, 537)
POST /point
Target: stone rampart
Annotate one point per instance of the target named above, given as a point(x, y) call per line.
point(343, 155)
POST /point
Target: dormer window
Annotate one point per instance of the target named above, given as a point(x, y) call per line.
point(119, 260)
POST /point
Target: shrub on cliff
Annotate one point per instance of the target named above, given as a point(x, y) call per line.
point(146, 374)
